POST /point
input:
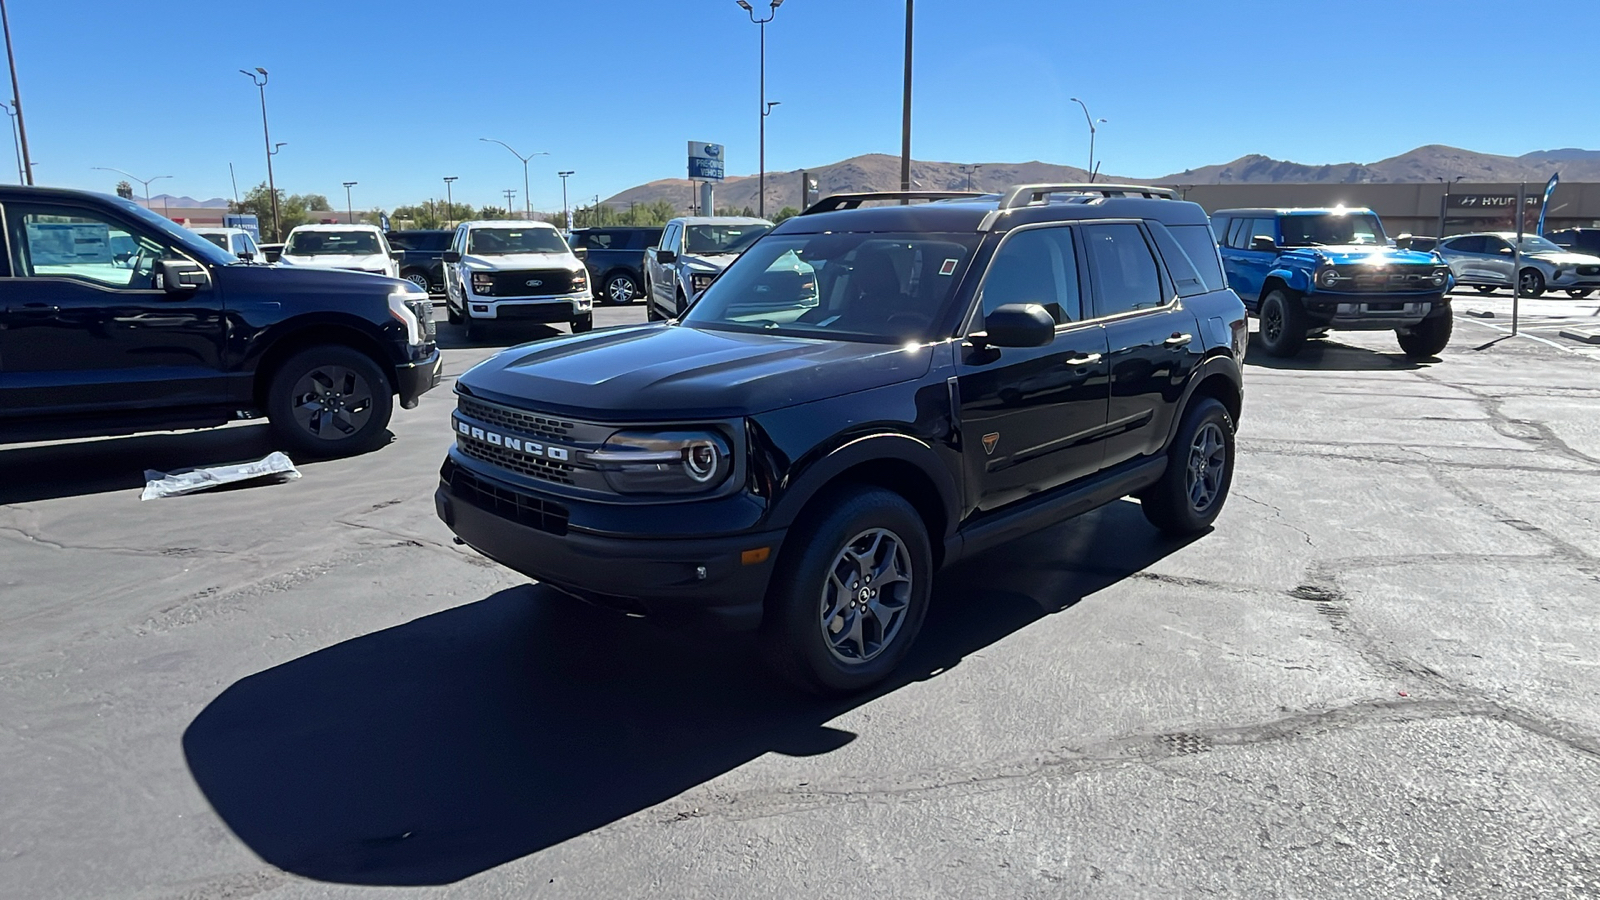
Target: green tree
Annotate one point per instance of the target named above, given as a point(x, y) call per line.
point(788, 212)
point(124, 190)
point(293, 209)
point(493, 212)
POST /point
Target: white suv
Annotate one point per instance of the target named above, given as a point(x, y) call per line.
point(515, 271)
point(693, 251)
point(234, 240)
point(359, 248)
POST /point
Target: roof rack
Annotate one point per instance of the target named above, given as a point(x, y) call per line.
point(852, 201)
point(1029, 194)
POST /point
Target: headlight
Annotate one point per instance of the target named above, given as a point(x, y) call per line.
point(1441, 276)
point(580, 281)
point(664, 462)
point(400, 309)
point(701, 280)
point(1327, 277)
point(483, 284)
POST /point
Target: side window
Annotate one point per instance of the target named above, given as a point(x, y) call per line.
point(1219, 227)
point(1237, 227)
point(1185, 276)
point(1471, 244)
point(1262, 228)
point(1196, 241)
point(1493, 244)
point(643, 240)
point(1039, 265)
point(251, 248)
point(1123, 270)
point(80, 244)
point(238, 245)
point(669, 238)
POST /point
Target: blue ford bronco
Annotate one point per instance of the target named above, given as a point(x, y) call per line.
point(1303, 272)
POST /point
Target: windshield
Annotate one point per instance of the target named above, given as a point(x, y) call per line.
point(332, 243)
point(221, 240)
point(708, 240)
point(505, 241)
point(1332, 229)
point(1536, 244)
point(883, 288)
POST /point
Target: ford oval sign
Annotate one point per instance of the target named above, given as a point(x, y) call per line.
point(705, 161)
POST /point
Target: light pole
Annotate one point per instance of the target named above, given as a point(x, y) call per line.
point(259, 77)
point(21, 179)
point(349, 208)
point(449, 201)
point(1444, 202)
point(1093, 122)
point(905, 113)
point(527, 199)
point(566, 212)
point(16, 98)
point(766, 110)
point(143, 181)
point(968, 170)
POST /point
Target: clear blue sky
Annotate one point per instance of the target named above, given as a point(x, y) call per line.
point(395, 95)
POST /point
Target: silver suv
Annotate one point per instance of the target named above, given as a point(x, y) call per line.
point(692, 252)
point(515, 271)
point(1485, 261)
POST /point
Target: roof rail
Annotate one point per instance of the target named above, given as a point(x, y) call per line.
point(851, 201)
point(1028, 194)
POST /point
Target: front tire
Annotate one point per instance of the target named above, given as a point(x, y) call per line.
point(580, 325)
point(1199, 473)
point(1483, 288)
point(474, 327)
point(620, 289)
point(1532, 283)
point(420, 279)
point(1428, 337)
point(1283, 325)
point(329, 400)
point(850, 592)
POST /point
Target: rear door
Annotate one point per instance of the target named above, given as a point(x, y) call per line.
point(86, 329)
point(1250, 265)
point(1032, 418)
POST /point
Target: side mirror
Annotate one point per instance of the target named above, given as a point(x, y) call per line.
point(581, 252)
point(247, 256)
point(1263, 243)
point(450, 256)
point(1017, 325)
point(397, 255)
point(666, 257)
point(1505, 251)
point(180, 277)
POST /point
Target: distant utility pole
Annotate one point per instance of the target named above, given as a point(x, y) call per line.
point(566, 212)
point(510, 194)
point(968, 170)
point(349, 208)
point(16, 97)
point(449, 201)
point(905, 120)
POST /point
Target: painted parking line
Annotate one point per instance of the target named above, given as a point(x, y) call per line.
point(1523, 333)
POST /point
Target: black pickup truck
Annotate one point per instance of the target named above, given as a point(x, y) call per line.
point(615, 257)
point(114, 320)
point(864, 395)
point(421, 260)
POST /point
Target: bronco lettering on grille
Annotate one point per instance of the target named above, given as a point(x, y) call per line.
point(514, 444)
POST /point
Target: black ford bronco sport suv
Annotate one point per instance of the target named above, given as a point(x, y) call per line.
point(114, 320)
point(866, 394)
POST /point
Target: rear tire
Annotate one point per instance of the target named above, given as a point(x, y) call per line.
point(850, 592)
point(1428, 337)
point(1483, 288)
point(420, 279)
point(1579, 293)
point(1283, 324)
point(329, 400)
point(1199, 472)
point(1532, 283)
point(620, 289)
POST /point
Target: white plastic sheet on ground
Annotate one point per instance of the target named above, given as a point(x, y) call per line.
point(163, 484)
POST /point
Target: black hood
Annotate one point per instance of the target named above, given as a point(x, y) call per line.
point(288, 281)
point(670, 372)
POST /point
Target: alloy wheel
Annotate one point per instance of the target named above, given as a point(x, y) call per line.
point(1208, 457)
point(1272, 323)
point(420, 281)
point(622, 290)
point(865, 597)
point(332, 402)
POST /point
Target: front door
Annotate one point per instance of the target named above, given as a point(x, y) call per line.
point(1033, 418)
point(83, 326)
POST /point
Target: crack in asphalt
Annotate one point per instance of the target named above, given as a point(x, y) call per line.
point(1278, 515)
point(32, 537)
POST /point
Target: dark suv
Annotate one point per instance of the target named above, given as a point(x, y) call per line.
point(799, 453)
point(1577, 240)
point(615, 256)
point(422, 256)
point(115, 320)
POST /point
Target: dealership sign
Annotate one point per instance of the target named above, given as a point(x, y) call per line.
point(705, 161)
point(1490, 201)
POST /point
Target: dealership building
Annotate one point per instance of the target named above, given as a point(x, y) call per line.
point(1414, 208)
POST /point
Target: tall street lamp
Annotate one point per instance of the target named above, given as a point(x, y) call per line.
point(16, 99)
point(259, 77)
point(449, 201)
point(566, 212)
point(16, 143)
point(1444, 202)
point(968, 170)
point(349, 208)
point(905, 111)
point(526, 198)
point(765, 108)
point(143, 181)
point(1093, 122)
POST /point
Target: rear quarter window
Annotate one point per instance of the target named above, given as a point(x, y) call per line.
point(1190, 253)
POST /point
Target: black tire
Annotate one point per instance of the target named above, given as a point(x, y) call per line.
point(585, 323)
point(1532, 283)
point(450, 313)
point(329, 400)
point(474, 328)
point(418, 278)
point(1427, 338)
point(1579, 293)
point(620, 289)
point(1283, 323)
point(854, 648)
point(1199, 472)
point(1483, 288)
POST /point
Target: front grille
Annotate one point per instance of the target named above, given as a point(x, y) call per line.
point(515, 284)
point(1366, 278)
point(514, 420)
point(1589, 270)
point(520, 463)
point(543, 515)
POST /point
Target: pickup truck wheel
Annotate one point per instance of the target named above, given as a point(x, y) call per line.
point(1199, 472)
point(329, 400)
point(420, 279)
point(586, 323)
point(450, 312)
point(473, 327)
point(1428, 337)
point(850, 592)
point(1532, 283)
point(1283, 326)
point(621, 289)
point(1579, 293)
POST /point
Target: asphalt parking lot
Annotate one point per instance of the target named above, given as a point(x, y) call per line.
point(1377, 677)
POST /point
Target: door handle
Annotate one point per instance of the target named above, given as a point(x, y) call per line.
point(1082, 361)
point(33, 309)
point(1178, 340)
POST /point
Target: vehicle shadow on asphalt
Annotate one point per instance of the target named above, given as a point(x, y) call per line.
point(438, 749)
point(1329, 355)
point(501, 334)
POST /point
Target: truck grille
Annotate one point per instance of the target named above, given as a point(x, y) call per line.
point(515, 420)
point(543, 515)
point(516, 284)
point(1367, 278)
point(1589, 270)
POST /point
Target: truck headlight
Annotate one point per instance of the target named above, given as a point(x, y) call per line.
point(400, 308)
point(664, 462)
point(1441, 275)
point(701, 280)
point(1327, 277)
point(580, 281)
point(483, 284)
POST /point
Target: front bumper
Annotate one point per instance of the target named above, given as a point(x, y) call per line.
point(1569, 279)
point(563, 308)
point(415, 378)
point(1372, 312)
point(664, 578)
